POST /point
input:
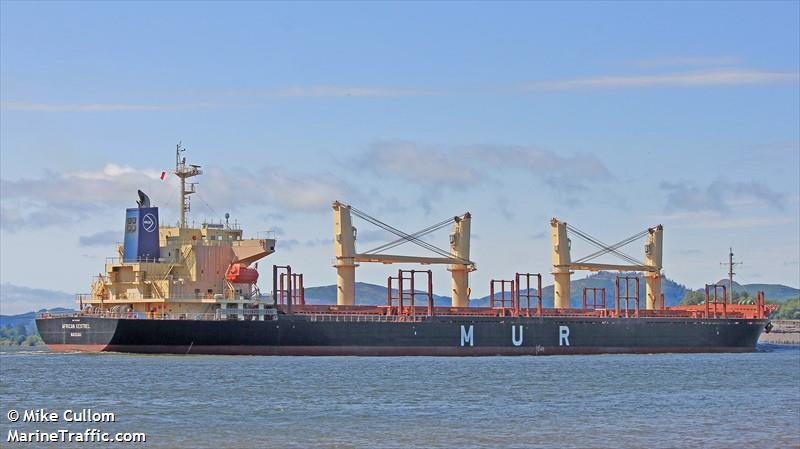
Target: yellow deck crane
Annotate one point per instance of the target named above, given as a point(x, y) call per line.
point(347, 258)
point(563, 265)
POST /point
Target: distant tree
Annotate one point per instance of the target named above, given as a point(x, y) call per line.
point(789, 310)
point(33, 340)
point(18, 335)
point(742, 298)
point(693, 297)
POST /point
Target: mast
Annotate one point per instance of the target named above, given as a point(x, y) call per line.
point(183, 171)
point(730, 265)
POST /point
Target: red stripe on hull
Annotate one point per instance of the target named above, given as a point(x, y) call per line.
point(73, 348)
point(407, 350)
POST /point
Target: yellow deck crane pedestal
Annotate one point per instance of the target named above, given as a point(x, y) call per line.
point(346, 257)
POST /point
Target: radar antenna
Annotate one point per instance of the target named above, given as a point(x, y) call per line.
point(183, 171)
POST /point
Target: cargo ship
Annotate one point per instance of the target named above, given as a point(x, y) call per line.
point(193, 290)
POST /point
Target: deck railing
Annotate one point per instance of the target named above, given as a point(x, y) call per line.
point(219, 315)
point(234, 314)
point(362, 318)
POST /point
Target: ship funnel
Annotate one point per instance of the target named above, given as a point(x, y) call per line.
point(141, 232)
point(144, 200)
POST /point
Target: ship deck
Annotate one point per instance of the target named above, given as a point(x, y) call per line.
point(419, 313)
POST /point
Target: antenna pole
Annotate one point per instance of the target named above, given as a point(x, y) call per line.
point(730, 265)
point(183, 171)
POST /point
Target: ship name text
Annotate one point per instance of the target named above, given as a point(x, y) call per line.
point(468, 335)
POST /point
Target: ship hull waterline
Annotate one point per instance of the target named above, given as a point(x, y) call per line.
point(434, 336)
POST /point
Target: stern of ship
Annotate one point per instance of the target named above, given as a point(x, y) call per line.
point(76, 332)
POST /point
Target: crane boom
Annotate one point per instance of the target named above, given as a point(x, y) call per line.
point(609, 266)
point(391, 258)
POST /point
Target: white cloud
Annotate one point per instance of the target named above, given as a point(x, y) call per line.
point(59, 198)
point(318, 242)
point(84, 190)
point(372, 236)
point(89, 107)
point(418, 164)
point(20, 216)
point(728, 76)
point(716, 77)
point(716, 220)
point(112, 171)
point(211, 100)
point(344, 91)
point(719, 195)
point(17, 299)
point(286, 190)
point(539, 162)
point(104, 238)
point(684, 61)
point(461, 167)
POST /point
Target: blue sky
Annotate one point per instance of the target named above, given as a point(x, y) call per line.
point(611, 116)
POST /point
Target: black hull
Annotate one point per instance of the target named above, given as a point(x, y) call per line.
point(435, 336)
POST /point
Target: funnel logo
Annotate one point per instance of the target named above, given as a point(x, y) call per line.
point(149, 222)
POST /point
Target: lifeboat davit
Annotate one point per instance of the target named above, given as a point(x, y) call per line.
point(240, 274)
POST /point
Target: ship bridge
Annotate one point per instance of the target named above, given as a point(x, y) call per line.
point(180, 269)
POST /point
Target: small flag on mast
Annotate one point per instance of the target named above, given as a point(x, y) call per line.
point(163, 175)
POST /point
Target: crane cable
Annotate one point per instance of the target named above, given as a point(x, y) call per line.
point(604, 247)
point(615, 246)
point(417, 234)
point(363, 215)
point(399, 233)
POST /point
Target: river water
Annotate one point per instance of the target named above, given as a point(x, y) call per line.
point(613, 401)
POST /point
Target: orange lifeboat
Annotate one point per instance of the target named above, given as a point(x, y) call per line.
point(239, 274)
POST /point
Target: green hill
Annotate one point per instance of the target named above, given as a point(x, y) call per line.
point(21, 329)
point(673, 292)
point(27, 319)
point(366, 294)
point(370, 294)
point(773, 292)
